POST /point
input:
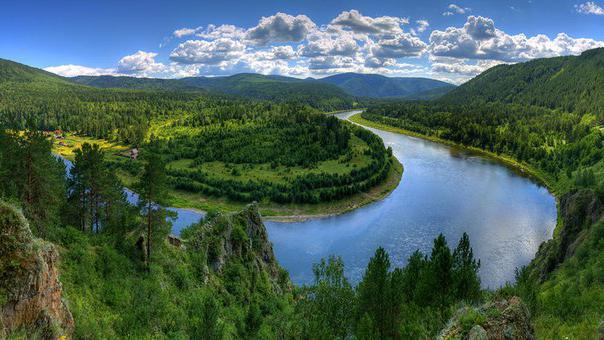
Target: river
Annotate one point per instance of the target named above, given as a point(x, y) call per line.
point(443, 190)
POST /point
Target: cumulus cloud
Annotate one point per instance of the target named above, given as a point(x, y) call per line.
point(453, 9)
point(351, 42)
point(356, 22)
point(281, 27)
point(78, 70)
point(400, 46)
point(140, 63)
point(479, 39)
point(207, 52)
point(221, 31)
point(422, 25)
point(589, 7)
point(327, 44)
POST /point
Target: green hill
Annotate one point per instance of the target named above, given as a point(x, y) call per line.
point(378, 86)
point(573, 83)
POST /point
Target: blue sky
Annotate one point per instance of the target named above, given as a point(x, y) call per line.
point(449, 40)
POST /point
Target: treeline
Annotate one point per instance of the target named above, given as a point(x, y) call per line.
point(556, 142)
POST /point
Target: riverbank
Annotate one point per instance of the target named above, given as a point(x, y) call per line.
point(520, 167)
point(271, 211)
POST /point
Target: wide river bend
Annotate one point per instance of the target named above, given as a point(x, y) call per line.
point(443, 190)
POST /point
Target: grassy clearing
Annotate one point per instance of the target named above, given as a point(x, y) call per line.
point(242, 172)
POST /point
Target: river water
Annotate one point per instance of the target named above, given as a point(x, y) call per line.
point(443, 190)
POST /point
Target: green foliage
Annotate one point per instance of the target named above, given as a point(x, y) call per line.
point(30, 175)
point(327, 309)
point(96, 199)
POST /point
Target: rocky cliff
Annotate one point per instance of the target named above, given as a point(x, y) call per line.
point(30, 290)
point(239, 238)
point(579, 210)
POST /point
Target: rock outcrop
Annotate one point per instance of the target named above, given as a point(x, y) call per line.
point(30, 290)
point(503, 319)
point(239, 237)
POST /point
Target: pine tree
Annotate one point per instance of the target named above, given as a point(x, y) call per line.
point(440, 271)
point(153, 191)
point(44, 190)
point(373, 292)
point(465, 271)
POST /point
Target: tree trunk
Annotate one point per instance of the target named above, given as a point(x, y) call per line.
point(148, 234)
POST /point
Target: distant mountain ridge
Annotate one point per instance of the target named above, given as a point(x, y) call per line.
point(340, 87)
point(257, 85)
point(378, 86)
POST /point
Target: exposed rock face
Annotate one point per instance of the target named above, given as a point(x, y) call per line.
point(505, 319)
point(30, 291)
point(579, 209)
point(240, 237)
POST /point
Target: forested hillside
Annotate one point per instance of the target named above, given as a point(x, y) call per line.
point(571, 84)
point(378, 86)
point(544, 117)
point(280, 89)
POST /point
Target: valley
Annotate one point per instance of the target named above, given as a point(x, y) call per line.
point(309, 227)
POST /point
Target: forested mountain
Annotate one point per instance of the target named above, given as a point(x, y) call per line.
point(378, 86)
point(250, 85)
point(572, 83)
point(280, 87)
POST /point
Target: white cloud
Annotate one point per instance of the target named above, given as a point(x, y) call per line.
point(78, 70)
point(453, 9)
point(182, 32)
point(207, 52)
point(283, 52)
point(141, 63)
point(223, 31)
point(328, 44)
point(479, 39)
point(281, 27)
point(461, 66)
point(589, 7)
point(356, 22)
point(400, 46)
point(422, 25)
